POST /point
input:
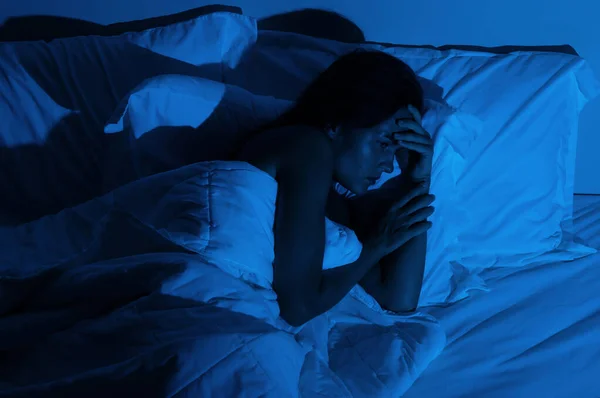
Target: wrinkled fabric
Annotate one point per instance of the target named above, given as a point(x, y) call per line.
point(154, 289)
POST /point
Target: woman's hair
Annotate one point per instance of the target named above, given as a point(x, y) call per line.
point(359, 90)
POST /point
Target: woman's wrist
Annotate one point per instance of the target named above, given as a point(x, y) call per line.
point(422, 181)
point(372, 250)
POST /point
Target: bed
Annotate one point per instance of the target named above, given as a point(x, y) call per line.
point(535, 334)
point(135, 255)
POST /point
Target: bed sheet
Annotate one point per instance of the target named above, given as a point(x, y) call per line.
point(536, 334)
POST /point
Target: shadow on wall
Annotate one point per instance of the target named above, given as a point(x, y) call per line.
point(330, 25)
point(312, 22)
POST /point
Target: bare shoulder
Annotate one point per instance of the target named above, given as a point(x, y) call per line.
point(305, 143)
point(288, 146)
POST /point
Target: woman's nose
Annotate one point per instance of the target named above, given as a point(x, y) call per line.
point(388, 165)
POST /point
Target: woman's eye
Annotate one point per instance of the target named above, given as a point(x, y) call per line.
point(384, 145)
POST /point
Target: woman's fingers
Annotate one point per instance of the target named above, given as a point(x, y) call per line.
point(416, 209)
point(415, 146)
point(407, 126)
point(416, 217)
point(418, 204)
point(416, 114)
point(403, 235)
point(420, 215)
point(413, 137)
point(412, 125)
point(419, 228)
point(415, 192)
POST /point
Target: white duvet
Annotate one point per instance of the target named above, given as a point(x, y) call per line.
point(162, 288)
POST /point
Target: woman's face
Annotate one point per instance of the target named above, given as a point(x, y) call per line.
point(362, 155)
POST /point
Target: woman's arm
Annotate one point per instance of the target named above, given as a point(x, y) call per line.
point(304, 290)
point(402, 274)
point(396, 282)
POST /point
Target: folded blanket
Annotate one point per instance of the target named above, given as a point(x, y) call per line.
point(151, 291)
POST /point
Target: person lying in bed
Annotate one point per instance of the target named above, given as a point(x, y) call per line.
point(347, 127)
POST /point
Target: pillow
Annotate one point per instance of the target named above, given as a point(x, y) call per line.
point(219, 38)
point(51, 144)
point(120, 28)
point(208, 107)
point(517, 186)
point(516, 190)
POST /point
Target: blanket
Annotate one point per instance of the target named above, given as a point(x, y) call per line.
point(141, 293)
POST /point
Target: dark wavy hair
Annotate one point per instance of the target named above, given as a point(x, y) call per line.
point(359, 90)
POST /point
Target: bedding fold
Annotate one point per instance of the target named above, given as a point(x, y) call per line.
point(120, 302)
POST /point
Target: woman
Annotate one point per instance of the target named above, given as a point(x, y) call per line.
point(347, 127)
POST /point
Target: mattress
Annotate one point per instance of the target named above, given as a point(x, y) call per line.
point(535, 334)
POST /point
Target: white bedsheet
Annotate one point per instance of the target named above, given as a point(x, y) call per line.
point(107, 305)
point(535, 334)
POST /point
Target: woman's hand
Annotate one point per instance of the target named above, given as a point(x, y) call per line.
point(416, 156)
point(405, 220)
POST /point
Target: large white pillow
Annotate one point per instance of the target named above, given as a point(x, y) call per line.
point(217, 38)
point(56, 97)
point(517, 187)
point(183, 101)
